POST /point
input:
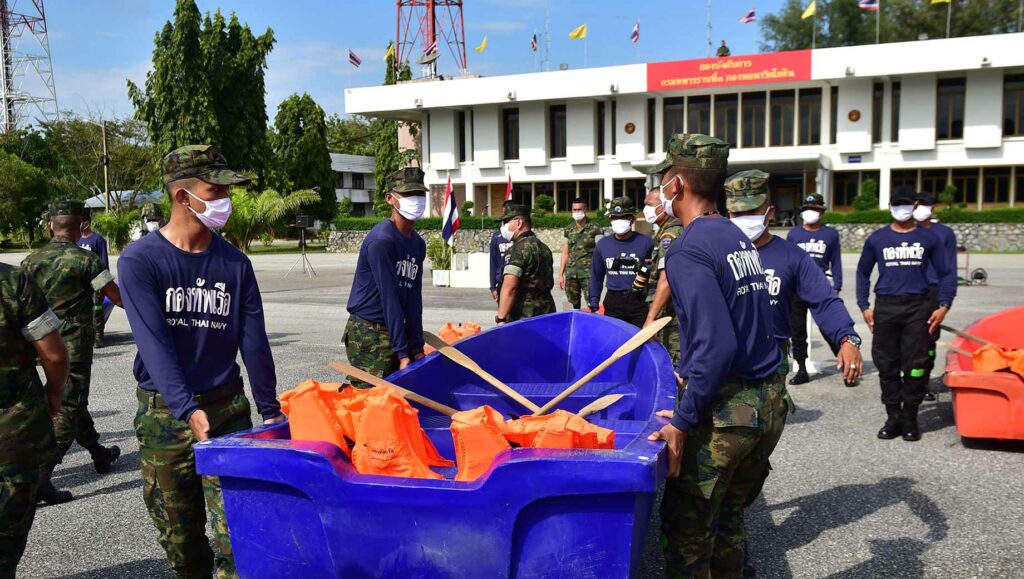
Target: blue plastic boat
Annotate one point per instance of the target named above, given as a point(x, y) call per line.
point(298, 509)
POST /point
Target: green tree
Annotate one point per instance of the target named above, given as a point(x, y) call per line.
point(24, 193)
point(867, 199)
point(388, 158)
point(116, 225)
point(254, 213)
point(301, 158)
point(351, 136)
point(207, 86)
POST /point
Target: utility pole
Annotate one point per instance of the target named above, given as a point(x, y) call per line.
point(710, 40)
point(106, 168)
point(547, 36)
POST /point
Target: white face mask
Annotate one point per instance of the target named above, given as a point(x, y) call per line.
point(902, 213)
point(923, 212)
point(621, 226)
point(666, 203)
point(651, 214)
point(411, 207)
point(216, 213)
point(152, 226)
point(506, 231)
point(579, 215)
point(810, 216)
point(752, 226)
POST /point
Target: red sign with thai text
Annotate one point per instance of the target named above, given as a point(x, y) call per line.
point(730, 70)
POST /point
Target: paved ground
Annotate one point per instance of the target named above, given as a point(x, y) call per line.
point(840, 502)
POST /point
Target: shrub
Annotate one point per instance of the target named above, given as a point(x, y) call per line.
point(438, 251)
point(467, 209)
point(867, 199)
point(116, 226)
point(952, 215)
point(543, 205)
point(948, 195)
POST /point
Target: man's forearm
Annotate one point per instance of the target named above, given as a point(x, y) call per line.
point(564, 260)
point(661, 296)
point(508, 292)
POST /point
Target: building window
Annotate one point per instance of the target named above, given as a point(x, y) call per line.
point(522, 194)
point(782, 104)
point(341, 181)
point(566, 193)
point(673, 110)
point(357, 181)
point(590, 191)
point(556, 130)
point(1019, 191)
point(698, 112)
point(933, 181)
point(833, 115)
point(877, 96)
point(615, 131)
point(966, 183)
point(651, 104)
point(997, 185)
point(727, 117)
point(600, 128)
point(844, 189)
point(510, 133)
point(906, 177)
point(461, 136)
point(754, 106)
point(1013, 105)
point(810, 116)
point(894, 115)
point(950, 114)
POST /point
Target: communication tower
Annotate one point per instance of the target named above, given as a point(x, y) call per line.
point(26, 70)
point(421, 23)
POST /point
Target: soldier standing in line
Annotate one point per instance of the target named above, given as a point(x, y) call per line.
point(69, 277)
point(947, 238)
point(659, 296)
point(193, 305)
point(733, 405)
point(618, 258)
point(28, 328)
point(529, 269)
point(905, 315)
point(821, 242)
point(95, 243)
point(577, 255)
point(153, 217)
point(384, 332)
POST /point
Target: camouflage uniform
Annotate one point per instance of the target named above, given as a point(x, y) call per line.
point(529, 260)
point(26, 432)
point(667, 233)
point(581, 241)
point(69, 277)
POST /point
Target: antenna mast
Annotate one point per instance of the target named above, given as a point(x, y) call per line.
point(26, 70)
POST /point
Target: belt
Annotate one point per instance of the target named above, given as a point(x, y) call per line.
point(205, 398)
point(375, 325)
point(901, 299)
point(625, 291)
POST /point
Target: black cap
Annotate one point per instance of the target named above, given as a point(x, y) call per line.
point(903, 195)
point(813, 201)
point(925, 198)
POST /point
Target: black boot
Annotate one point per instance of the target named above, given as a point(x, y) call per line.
point(104, 457)
point(891, 428)
point(801, 376)
point(929, 397)
point(48, 494)
point(911, 432)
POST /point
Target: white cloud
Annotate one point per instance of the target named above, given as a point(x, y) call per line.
point(102, 91)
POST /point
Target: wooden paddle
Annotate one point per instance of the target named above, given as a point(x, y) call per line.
point(351, 370)
point(599, 405)
point(965, 335)
point(638, 339)
point(466, 362)
point(960, 351)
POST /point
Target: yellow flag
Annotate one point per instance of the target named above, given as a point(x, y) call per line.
point(578, 32)
point(483, 45)
point(390, 52)
point(810, 11)
point(940, 1)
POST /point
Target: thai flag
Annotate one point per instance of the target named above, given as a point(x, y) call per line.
point(635, 36)
point(750, 16)
point(508, 189)
point(354, 59)
point(533, 43)
point(432, 48)
point(451, 215)
point(868, 4)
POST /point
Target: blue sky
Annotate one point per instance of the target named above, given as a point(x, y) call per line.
point(97, 44)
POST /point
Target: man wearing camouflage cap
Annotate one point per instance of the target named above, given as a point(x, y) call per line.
point(731, 392)
point(658, 294)
point(69, 277)
point(152, 217)
point(578, 254)
point(95, 243)
point(617, 259)
point(193, 305)
point(821, 242)
point(384, 331)
point(529, 273)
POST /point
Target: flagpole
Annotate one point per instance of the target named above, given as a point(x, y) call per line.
point(949, 16)
point(584, 52)
point(814, 28)
point(878, 22)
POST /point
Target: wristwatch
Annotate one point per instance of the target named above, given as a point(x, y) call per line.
point(498, 320)
point(851, 338)
point(947, 306)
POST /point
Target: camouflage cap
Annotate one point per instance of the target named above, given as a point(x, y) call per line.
point(813, 201)
point(692, 150)
point(152, 212)
point(67, 207)
point(746, 190)
point(621, 207)
point(513, 210)
point(204, 162)
point(408, 180)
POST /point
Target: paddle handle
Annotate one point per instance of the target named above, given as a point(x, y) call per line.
point(960, 351)
point(351, 370)
point(466, 362)
point(965, 335)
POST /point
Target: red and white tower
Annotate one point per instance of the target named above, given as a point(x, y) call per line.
point(422, 23)
point(26, 70)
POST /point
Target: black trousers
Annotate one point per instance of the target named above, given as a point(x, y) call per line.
point(798, 330)
point(626, 305)
point(933, 295)
point(899, 346)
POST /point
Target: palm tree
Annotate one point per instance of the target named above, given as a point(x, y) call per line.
point(255, 213)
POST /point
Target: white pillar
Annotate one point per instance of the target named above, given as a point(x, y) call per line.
point(884, 186)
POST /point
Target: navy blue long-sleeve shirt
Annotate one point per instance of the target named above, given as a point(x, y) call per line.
point(388, 286)
point(617, 260)
point(725, 318)
point(903, 260)
point(498, 248)
point(95, 243)
point(824, 248)
point(947, 239)
point(791, 271)
point(191, 314)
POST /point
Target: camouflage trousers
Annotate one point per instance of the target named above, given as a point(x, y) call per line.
point(669, 337)
point(97, 314)
point(175, 493)
point(17, 511)
point(74, 423)
point(368, 347)
point(784, 366)
point(725, 463)
point(577, 287)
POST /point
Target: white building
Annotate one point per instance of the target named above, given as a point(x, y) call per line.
point(925, 113)
point(355, 181)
